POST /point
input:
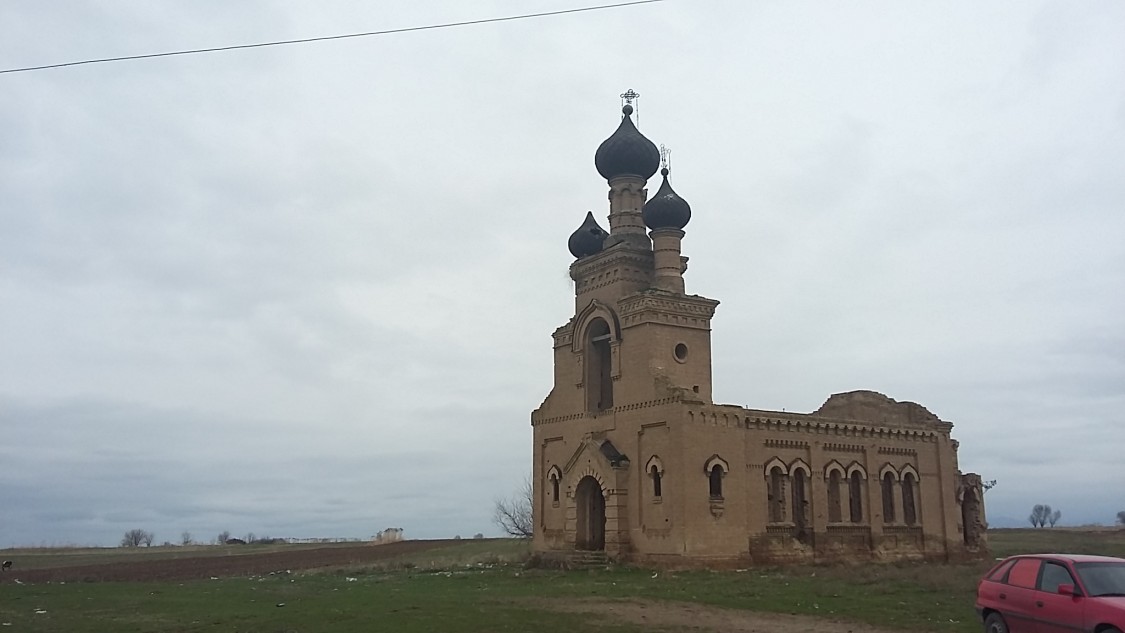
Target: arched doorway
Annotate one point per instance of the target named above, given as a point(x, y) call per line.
point(591, 515)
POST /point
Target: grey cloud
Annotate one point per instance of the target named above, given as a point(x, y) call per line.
point(306, 291)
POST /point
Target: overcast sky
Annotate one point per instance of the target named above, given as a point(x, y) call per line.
point(309, 290)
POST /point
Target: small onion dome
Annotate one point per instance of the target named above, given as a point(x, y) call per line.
point(588, 239)
point(666, 210)
point(627, 152)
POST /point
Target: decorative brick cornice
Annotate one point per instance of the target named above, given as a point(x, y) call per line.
point(619, 263)
point(613, 257)
point(658, 306)
point(732, 416)
point(773, 443)
point(894, 450)
point(537, 416)
point(564, 334)
point(836, 447)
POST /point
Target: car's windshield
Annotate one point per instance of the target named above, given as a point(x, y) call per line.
point(1102, 579)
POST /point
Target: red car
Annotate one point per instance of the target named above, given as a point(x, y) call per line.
point(1049, 593)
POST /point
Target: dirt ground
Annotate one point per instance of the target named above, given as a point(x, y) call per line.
point(241, 564)
point(685, 616)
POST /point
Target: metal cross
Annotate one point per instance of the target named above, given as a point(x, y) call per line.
point(629, 95)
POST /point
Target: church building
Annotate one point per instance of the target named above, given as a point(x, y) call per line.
point(633, 458)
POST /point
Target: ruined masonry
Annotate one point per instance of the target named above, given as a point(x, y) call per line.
point(632, 457)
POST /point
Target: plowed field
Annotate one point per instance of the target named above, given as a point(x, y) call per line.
point(246, 563)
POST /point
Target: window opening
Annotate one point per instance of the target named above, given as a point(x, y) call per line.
point(835, 515)
point(655, 482)
point(716, 482)
point(909, 510)
point(800, 502)
point(1054, 575)
point(888, 498)
point(776, 495)
point(681, 352)
point(599, 367)
point(855, 497)
point(1024, 573)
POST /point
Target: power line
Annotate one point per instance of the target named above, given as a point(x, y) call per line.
point(329, 37)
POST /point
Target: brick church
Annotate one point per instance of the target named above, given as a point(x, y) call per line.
point(633, 457)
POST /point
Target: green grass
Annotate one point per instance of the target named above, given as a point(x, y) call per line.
point(476, 587)
point(467, 601)
point(1106, 542)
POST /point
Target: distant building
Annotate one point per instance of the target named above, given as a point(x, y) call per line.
point(632, 456)
point(389, 535)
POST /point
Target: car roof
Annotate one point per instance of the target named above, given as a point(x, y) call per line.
point(1075, 558)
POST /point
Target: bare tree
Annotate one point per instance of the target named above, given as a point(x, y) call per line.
point(136, 538)
point(185, 538)
point(1054, 517)
point(1121, 518)
point(514, 515)
point(223, 537)
point(1040, 514)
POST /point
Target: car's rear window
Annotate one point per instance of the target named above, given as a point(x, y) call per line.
point(1001, 569)
point(1024, 573)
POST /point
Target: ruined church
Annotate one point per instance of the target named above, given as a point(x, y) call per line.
point(633, 458)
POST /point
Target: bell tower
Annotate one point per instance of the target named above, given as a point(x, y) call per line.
point(636, 335)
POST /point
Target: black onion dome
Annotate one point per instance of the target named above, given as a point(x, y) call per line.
point(627, 152)
point(666, 210)
point(588, 239)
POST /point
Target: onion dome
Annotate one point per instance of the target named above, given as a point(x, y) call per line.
point(588, 239)
point(627, 152)
point(666, 210)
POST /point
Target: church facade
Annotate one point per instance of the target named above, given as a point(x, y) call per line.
point(632, 456)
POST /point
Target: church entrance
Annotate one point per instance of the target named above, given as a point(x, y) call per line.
point(591, 515)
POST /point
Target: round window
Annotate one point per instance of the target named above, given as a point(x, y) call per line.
point(680, 352)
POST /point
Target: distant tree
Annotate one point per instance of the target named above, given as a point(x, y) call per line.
point(1054, 518)
point(1040, 514)
point(478, 535)
point(457, 537)
point(513, 515)
point(148, 539)
point(185, 538)
point(988, 485)
point(249, 537)
point(136, 538)
point(223, 537)
point(1121, 518)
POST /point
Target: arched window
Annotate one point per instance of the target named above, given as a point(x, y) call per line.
point(888, 485)
point(655, 473)
point(855, 497)
point(553, 476)
point(716, 482)
point(599, 367)
point(777, 495)
point(835, 513)
point(909, 510)
point(800, 499)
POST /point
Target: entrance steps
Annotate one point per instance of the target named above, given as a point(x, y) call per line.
point(583, 559)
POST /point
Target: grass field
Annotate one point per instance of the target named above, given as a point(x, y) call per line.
point(477, 586)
